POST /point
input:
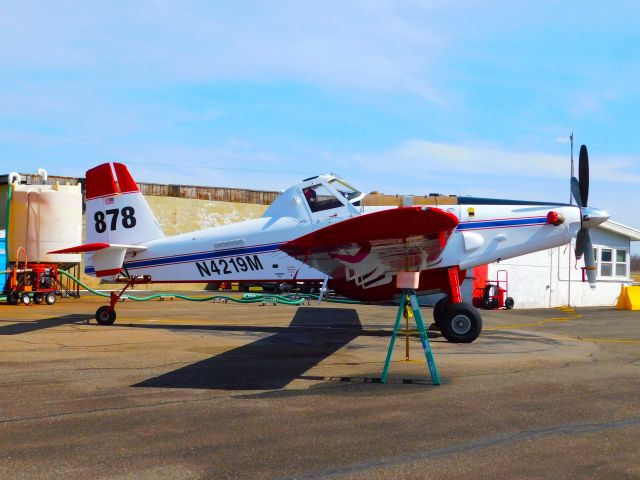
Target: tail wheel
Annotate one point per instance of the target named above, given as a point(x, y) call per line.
point(461, 323)
point(104, 316)
point(50, 298)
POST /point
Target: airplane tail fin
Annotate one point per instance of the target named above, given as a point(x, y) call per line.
point(117, 213)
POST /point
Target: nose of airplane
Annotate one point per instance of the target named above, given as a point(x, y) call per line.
point(593, 216)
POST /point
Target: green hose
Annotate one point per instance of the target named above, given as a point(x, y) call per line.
point(246, 298)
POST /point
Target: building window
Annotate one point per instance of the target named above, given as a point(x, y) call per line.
point(621, 263)
point(612, 262)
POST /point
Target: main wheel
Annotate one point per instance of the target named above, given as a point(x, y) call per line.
point(438, 310)
point(104, 316)
point(50, 298)
point(37, 298)
point(13, 298)
point(509, 303)
point(461, 323)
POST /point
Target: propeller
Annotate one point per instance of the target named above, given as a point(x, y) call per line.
point(580, 192)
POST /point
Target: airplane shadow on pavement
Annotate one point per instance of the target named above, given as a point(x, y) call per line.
point(271, 362)
point(18, 328)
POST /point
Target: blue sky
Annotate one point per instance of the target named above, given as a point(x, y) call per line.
point(460, 97)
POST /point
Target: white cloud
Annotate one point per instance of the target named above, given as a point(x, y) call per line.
point(434, 157)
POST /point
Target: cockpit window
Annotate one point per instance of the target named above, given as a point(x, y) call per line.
point(345, 189)
point(320, 198)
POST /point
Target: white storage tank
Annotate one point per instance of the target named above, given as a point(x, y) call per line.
point(43, 218)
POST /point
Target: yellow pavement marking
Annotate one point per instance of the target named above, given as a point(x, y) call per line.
point(539, 323)
point(610, 340)
point(572, 316)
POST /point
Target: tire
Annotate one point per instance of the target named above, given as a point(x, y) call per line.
point(37, 298)
point(104, 316)
point(26, 299)
point(509, 303)
point(13, 298)
point(438, 310)
point(50, 298)
point(461, 323)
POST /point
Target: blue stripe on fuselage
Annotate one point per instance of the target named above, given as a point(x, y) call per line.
point(194, 257)
point(511, 222)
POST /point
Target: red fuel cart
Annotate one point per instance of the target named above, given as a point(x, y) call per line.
point(494, 295)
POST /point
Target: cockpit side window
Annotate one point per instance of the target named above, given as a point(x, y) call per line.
point(320, 198)
point(346, 190)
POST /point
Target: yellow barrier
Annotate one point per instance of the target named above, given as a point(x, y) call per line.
point(629, 298)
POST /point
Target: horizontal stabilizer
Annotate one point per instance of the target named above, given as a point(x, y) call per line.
point(107, 258)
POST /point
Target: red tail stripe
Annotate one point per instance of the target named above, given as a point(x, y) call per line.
point(125, 180)
point(100, 182)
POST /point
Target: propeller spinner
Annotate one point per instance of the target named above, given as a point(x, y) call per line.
point(590, 217)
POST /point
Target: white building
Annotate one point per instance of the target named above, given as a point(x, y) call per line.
point(552, 278)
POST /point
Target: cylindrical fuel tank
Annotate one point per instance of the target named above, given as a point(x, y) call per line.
point(43, 218)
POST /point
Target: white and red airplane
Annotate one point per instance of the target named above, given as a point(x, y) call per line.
point(324, 227)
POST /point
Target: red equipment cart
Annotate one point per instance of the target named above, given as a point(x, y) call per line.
point(494, 295)
point(32, 281)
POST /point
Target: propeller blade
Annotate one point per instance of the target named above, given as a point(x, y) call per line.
point(589, 259)
point(583, 170)
point(575, 190)
point(580, 243)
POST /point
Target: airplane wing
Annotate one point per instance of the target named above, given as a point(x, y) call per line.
point(371, 248)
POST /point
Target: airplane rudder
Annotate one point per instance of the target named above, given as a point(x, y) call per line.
point(117, 212)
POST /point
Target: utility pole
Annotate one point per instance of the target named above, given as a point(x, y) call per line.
point(571, 203)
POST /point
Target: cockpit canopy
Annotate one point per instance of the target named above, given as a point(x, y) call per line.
point(317, 197)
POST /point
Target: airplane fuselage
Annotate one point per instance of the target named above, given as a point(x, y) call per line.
point(489, 230)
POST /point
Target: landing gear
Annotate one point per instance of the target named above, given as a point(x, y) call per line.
point(105, 315)
point(458, 321)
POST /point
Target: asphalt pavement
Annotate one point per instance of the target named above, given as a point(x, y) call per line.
point(208, 390)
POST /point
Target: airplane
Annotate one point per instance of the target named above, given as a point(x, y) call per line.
point(323, 228)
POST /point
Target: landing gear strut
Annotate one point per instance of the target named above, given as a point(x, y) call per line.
point(106, 315)
point(458, 321)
